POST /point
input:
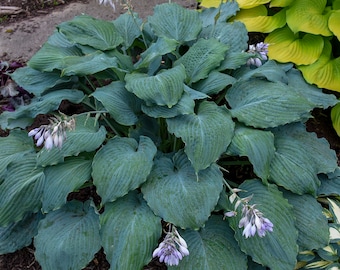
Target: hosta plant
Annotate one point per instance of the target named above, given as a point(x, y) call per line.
point(152, 117)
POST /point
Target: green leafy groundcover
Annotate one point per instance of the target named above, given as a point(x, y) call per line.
point(168, 103)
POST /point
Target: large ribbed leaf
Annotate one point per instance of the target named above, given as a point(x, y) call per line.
point(51, 57)
point(285, 46)
point(215, 83)
point(325, 72)
point(175, 192)
point(297, 170)
point(37, 82)
point(62, 179)
point(24, 115)
point(210, 16)
point(184, 106)
point(311, 223)
point(121, 104)
point(212, 247)
point(264, 104)
point(86, 137)
point(257, 145)
point(164, 89)
point(334, 22)
point(277, 249)
point(21, 191)
point(175, 22)
point(256, 19)
point(270, 70)
point(310, 92)
point(18, 235)
point(157, 49)
point(204, 56)
point(234, 35)
point(104, 35)
point(129, 232)
point(206, 134)
point(13, 148)
point(330, 184)
point(68, 238)
point(309, 16)
point(121, 165)
point(88, 64)
point(128, 26)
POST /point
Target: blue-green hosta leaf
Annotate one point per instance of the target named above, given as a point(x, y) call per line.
point(129, 232)
point(175, 192)
point(68, 238)
point(14, 147)
point(234, 60)
point(86, 137)
point(175, 22)
point(62, 179)
point(264, 104)
point(128, 26)
point(234, 35)
point(297, 170)
point(215, 83)
point(161, 47)
point(203, 57)
point(330, 184)
point(312, 93)
point(60, 40)
point(257, 145)
point(164, 89)
point(104, 35)
point(18, 235)
point(121, 165)
point(88, 64)
point(38, 82)
point(311, 223)
point(25, 114)
point(185, 105)
point(277, 249)
point(50, 57)
point(21, 190)
point(212, 247)
point(270, 70)
point(206, 134)
point(121, 104)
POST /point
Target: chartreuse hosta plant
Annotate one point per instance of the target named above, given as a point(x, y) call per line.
point(167, 106)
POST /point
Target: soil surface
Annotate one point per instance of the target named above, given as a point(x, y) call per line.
point(35, 20)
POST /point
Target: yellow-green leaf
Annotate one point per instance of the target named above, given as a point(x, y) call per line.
point(280, 3)
point(309, 16)
point(335, 115)
point(285, 46)
point(241, 3)
point(325, 72)
point(334, 22)
point(251, 3)
point(256, 19)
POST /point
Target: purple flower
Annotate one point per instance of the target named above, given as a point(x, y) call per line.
point(53, 134)
point(172, 249)
point(261, 50)
point(253, 221)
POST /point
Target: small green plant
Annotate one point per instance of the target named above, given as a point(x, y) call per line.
point(165, 108)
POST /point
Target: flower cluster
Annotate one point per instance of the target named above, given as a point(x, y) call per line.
point(172, 249)
point(253, 221)
point(107, 2)
point(261, 50)
point(53, 134)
